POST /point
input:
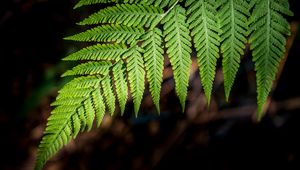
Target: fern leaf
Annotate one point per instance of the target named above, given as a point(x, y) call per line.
point(160, 3)
point(166, 3)
point(57, 134)
point(136, 75)
point(67, 92)
point(154, 63)
point(83, 82)
point(157, 3)
point(90, 2)
point(98, 52)
point(76, 124)
point(120, 85)
point(90, 68)
point(268, 30)
point(204, 29)
point(75, 112)
point(109, 33)
point(233, 17)
point(137, 15)
point(89, 113)
point(108, 94)
point(82, 118)
point(178, 44)
point(68, 101)
point(99, 106)
point(130, 45)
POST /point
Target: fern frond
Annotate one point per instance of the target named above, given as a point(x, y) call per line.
point(137, 15)
point(130, 45)
point(56, 135)
point(90, 2)
point(136, 75)
point(233, 17)
point(109, 95)
point(109, 33)
point(99, 106)
point(89, 113)
point(157, 3)
point(83, 82)
point(67, 120)
point(98, 52)
point(205, 29)
point(90, 68)
point(120, 85)
point(178, 44)
point(67, 92)
point(154, 62)
point(68, 101)
point(268, 30)
point(166, 3)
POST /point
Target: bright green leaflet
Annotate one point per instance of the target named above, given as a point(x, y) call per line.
point(233, 18)
point(268, 30)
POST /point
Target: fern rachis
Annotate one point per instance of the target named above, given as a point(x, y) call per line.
point(131, 38)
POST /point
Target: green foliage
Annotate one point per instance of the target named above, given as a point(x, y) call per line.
point(90, 2)
point(233, 18)
point(109, 95)
point(136, 75)
point(160, 3)
point(178, 44)
point(154, 62)
point(120, 84)
point(109, 33)
point(77, 105)
point(136, 15)
point(98, 52)
point(205, 30)
point(90, 68)
point(268, 29)
point(133, 37)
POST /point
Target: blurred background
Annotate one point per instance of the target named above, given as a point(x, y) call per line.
point(224, 136)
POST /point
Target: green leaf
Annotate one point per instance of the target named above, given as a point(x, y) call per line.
point(99, 106)
point(89, 113)
point(66, 120)
point(130, 45)
point(108, 94)
point(76, 125)
point(154, 63)
point(233, 21)
point(120, 85)
point(159, 3)
point(178, 44)
point(90, 68)
point(268, 31)
point(137, 15)
point(109, 33)
point(136, 75)
point(98, 52)
point(205, 29)
point(90, 2)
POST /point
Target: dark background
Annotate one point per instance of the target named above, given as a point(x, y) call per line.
point(225, 136)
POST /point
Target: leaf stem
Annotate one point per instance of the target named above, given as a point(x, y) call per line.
point(164, 14)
